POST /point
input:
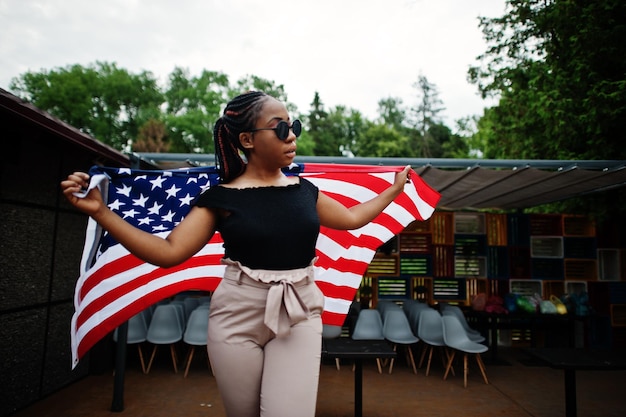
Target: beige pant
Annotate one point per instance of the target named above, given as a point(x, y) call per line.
point(264, 341)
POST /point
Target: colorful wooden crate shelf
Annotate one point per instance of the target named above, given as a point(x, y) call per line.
point(578, 226)
point(519, 260)
point(389, 247)
point(474, 286)
point(496, 227)
point(609, 264)
point(446, 289)
point(455, 255)
point(470, 266)
point(581, 269)
point(419, 226)
point(469, 223)
point(411, 243)
point(497, 262)
point(396, 288)
point(498, 287)
point(575, 287)
point(443, 261)
point(470, 245)
point(580, 247)
point(443, 228)
point(422, 289)
point(546, 225)
point(384, 265)
point(548, 269)
point(518, 230)
point(546, 247)
point(416, 265)
point(553, 288)
point(525, 286)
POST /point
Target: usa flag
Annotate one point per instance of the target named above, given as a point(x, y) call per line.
point(114, 285)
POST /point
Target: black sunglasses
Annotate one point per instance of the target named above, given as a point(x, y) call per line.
point(282, 129)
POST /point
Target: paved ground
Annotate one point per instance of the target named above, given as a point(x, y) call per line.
point(518, 387)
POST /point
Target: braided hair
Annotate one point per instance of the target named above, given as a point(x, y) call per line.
point(239, 116)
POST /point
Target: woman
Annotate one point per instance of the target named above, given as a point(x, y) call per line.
point(265, 333)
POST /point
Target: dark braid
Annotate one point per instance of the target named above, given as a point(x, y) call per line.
point(239, 116)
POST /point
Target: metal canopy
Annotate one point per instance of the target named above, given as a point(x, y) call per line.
point(472, 184)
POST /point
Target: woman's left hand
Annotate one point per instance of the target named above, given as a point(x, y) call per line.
point(402, 177)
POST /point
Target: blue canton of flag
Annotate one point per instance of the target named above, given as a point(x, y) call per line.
point(154, 201)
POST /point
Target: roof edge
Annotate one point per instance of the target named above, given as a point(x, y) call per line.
point(463, 163)
point(26, 110)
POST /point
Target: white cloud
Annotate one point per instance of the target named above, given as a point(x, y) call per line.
point(353, 52)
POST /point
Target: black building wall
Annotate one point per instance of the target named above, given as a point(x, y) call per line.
point(41, 240)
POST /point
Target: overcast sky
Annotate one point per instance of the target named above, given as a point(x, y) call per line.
point(353, 52)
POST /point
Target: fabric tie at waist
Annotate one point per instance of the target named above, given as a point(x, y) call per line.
point(282, 295)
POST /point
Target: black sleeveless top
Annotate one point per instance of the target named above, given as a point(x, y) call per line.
point(267, 227)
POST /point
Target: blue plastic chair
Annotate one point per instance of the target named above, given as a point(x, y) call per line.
point(196, 334)
point(165, 329)
point(137, 333)
point(455, 337)
point(430, 332)
point(332, 332)
point(473, 334)
point(369, 326)
point(397, 330)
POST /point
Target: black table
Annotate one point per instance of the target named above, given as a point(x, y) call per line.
point(491, 323)
point(357, 350)
point(571, 360)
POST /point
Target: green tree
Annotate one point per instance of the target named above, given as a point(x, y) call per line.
point(467, 130)
point(306, 146)
point(333, 133)
point(559, 70)
point(340, 134)
point(152, 137)
point(425, 115)
point(391, 112)
point(381, 140)
point(252, 82)
point(193, 106)
point(316, 119)
point(445, 144)
point(103, 100)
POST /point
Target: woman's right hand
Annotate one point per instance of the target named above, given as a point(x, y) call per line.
point(78, 182)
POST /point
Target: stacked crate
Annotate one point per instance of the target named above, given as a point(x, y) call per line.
point(382, 273)
point(519, 246)
point(580, 251)
point(455, 255)
point(470, 254)
point(446, 286)
point(608, 293)
point(546, 248)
